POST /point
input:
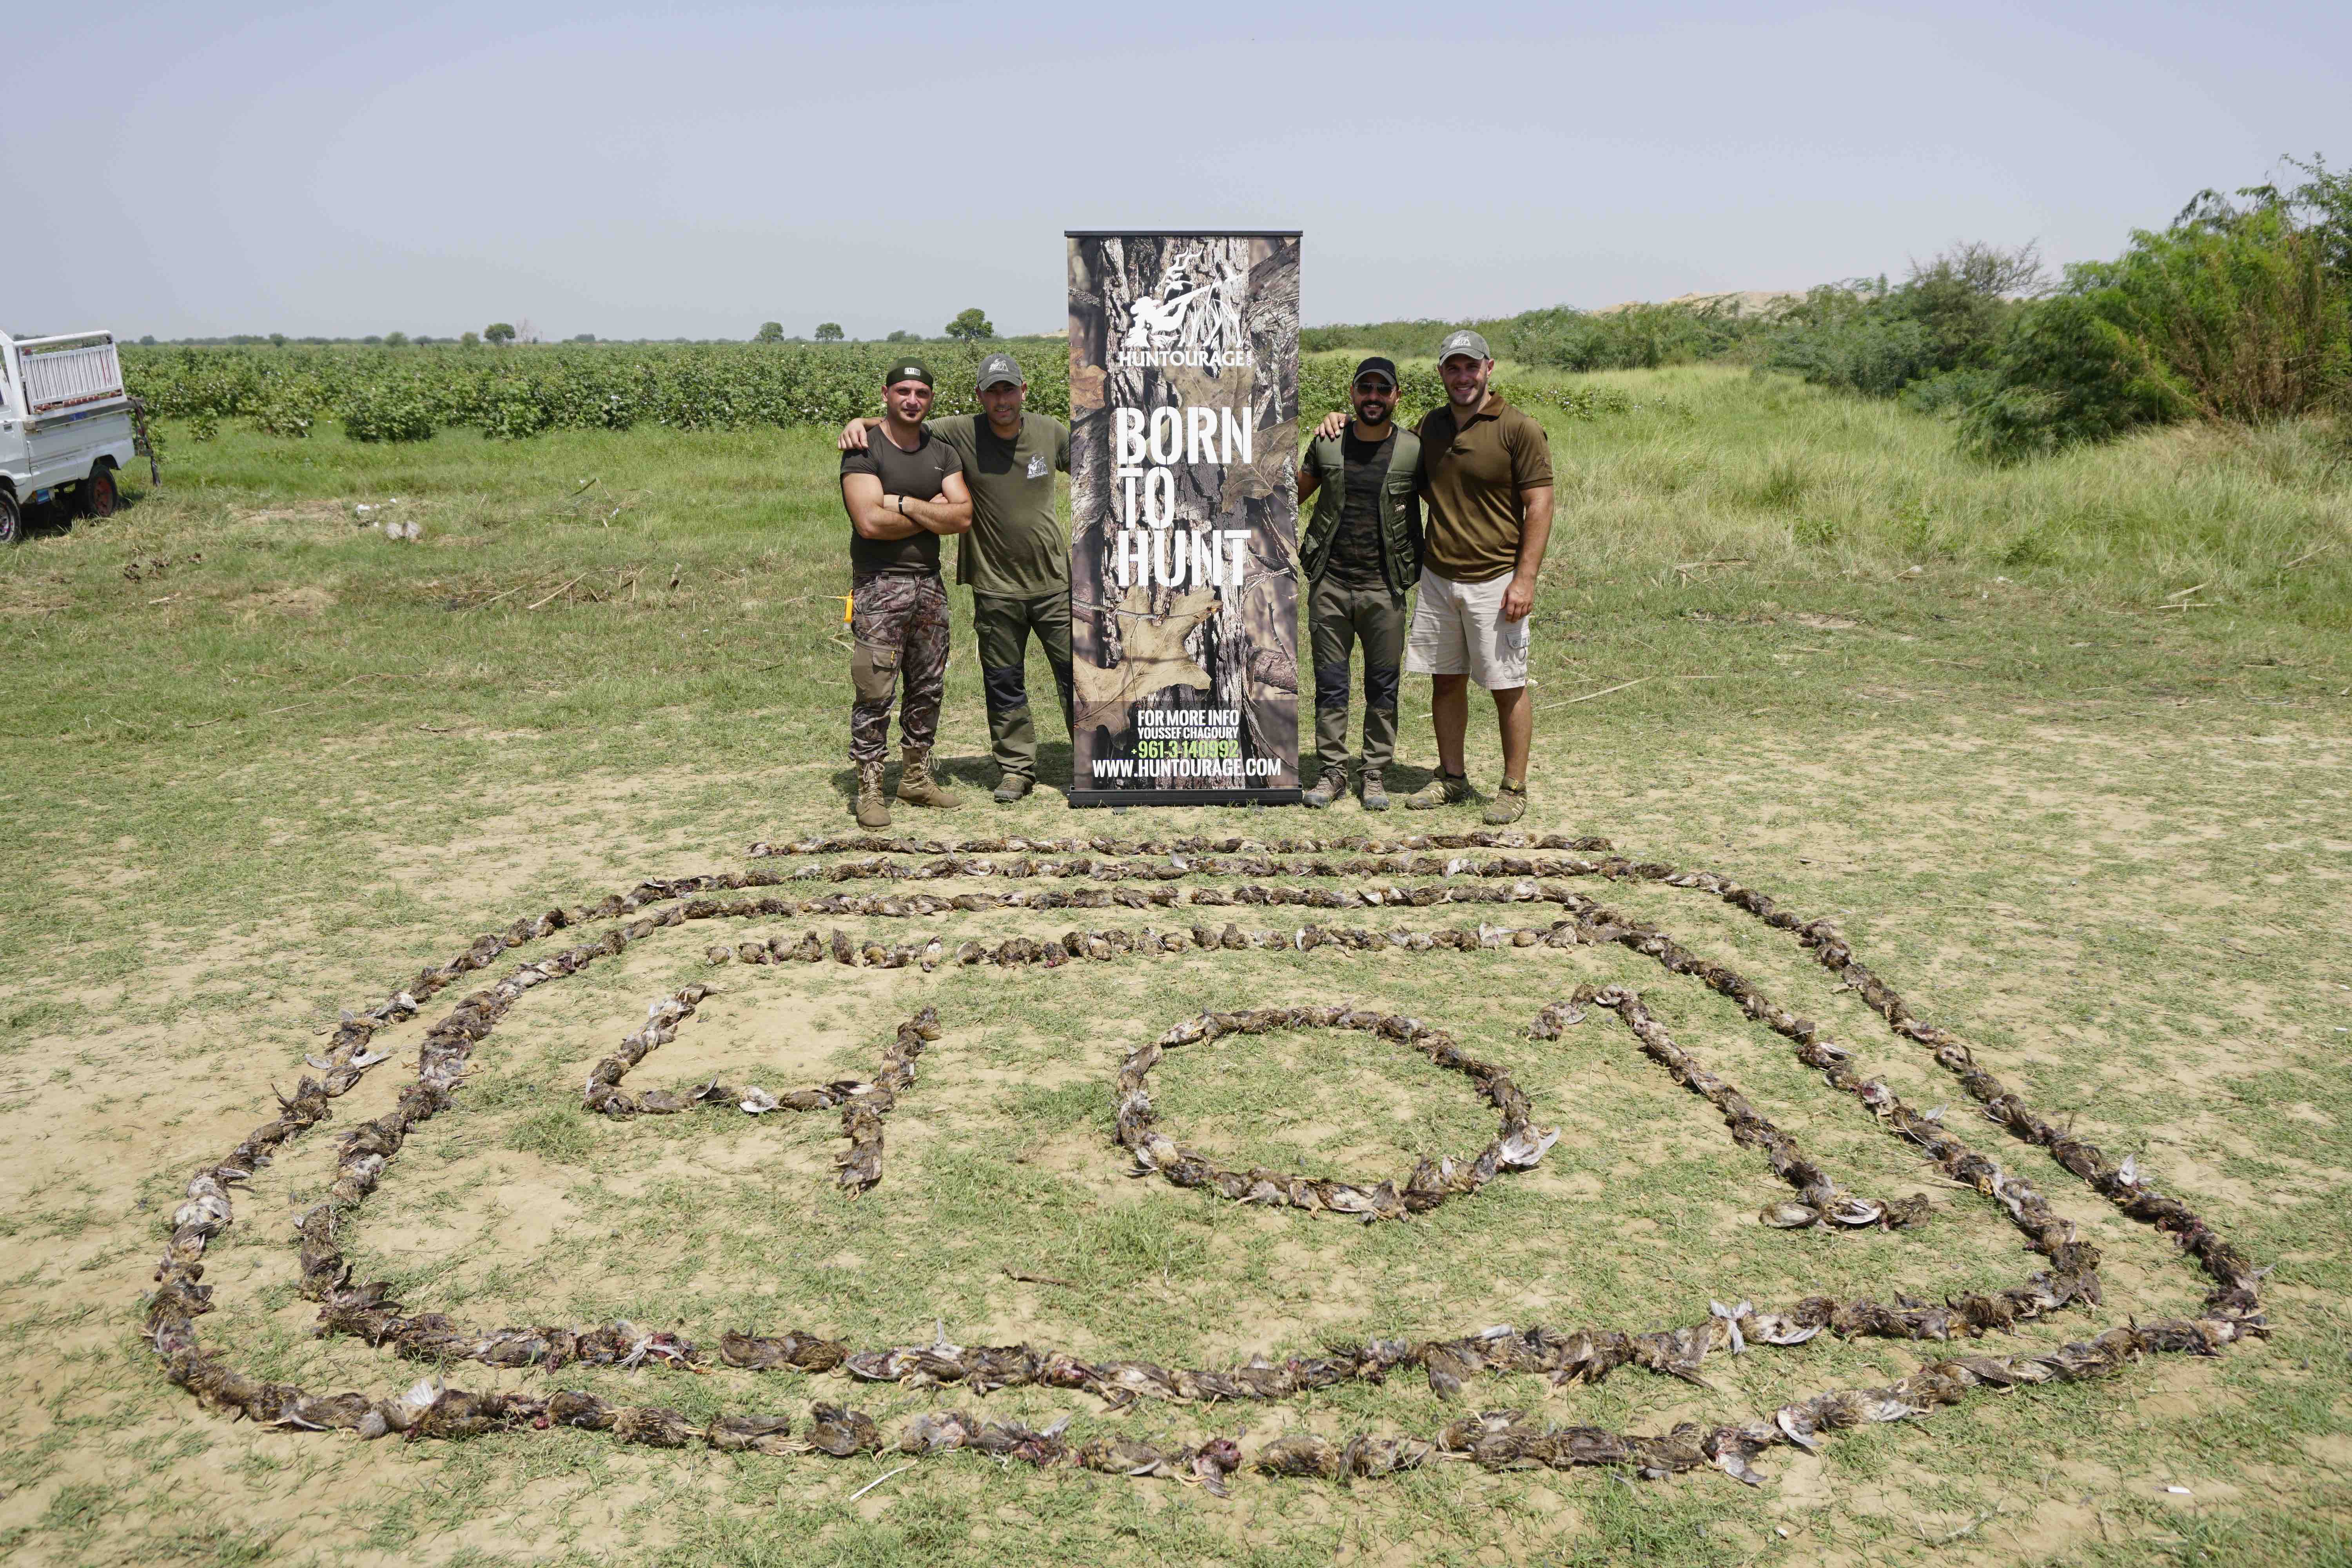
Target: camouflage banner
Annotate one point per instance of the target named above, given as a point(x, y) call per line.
point(1184, 518)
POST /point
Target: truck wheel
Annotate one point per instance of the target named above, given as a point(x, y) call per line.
point(12, 518)
point(99, 496)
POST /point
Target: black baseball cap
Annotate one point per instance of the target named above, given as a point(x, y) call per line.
point(1377, 366)
point(907, 369)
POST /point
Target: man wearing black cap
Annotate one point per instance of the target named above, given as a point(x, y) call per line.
point(1015, 559)
point(902, 493)
point(1361, 553)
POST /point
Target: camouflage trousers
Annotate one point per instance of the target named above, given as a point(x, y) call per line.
point(1338, 618)
point(1002, 626)
point(899, 625)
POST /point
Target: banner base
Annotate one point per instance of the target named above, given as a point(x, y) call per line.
point(1079, 799)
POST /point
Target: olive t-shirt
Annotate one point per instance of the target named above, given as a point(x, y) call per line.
point(919, 474)
point(1017, 548)
point(1472, 477)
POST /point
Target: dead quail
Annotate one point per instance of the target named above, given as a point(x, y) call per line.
point(1212, 1461)
point(937, 1432)
point(1301, 1455)
point(757, 1433)
point(840, 1432)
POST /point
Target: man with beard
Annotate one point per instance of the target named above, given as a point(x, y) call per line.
point(902, 493)
point(1015, 559)
point(1361, 554)
point(1485, 471)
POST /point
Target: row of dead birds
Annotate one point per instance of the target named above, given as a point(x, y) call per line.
point(1496, 1440)
point(2232, 1310)
point(868, 1101)
point(930, 952)
point(1516, 1147)
point(1022, 869)
point(1193, 844)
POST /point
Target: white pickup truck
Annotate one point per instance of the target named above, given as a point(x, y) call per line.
point(65, 425)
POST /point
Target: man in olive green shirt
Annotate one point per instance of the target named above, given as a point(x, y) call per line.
point(1485, 472)
point(1015, 559)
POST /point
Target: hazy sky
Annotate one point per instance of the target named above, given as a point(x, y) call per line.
point(344, 169)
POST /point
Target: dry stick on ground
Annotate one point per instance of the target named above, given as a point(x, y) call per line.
point(1588, 696)
point(496, 597)
point(1687, 567)
point(1026, 1277)
point(536, 603)
point(877, 1481)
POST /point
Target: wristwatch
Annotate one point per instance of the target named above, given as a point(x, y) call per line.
point(902, 506)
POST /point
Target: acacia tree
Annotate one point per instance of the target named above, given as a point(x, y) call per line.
point(828, 332)
point(500, 333)
point(971, 326)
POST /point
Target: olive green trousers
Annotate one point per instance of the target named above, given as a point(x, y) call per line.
point(1338, 618)
point(1003, 628)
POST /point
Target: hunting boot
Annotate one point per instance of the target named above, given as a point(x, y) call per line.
point(1376, 795)
point(1444, 789)
point(915, 785)
point(873, 805)
point(1509, 805)
point(1328, 788)
point(1013, 787)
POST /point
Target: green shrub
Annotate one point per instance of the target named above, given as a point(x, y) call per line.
point(2057, 379)
point(2235, 315)
point(1630, 337)
point(289, 406)
point(374, 412)
point(1946, 320)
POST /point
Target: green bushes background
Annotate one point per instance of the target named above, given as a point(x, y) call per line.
point(511, 393)
point(2239, 312)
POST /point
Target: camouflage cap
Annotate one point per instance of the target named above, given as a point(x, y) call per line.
point(1465, 343)
point(997, 368)
point(907, 369)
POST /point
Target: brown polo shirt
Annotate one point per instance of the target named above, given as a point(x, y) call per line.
point(1472, 478)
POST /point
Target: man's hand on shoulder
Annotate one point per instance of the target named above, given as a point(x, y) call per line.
point(855, 435)
point(1334, 424)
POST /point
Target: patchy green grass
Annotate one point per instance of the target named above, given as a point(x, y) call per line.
point(2104, 838)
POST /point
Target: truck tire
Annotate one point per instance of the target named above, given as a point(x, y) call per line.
point(99, 496)
point(11, 520)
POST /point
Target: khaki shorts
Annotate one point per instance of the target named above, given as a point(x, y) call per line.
point(1458, 629)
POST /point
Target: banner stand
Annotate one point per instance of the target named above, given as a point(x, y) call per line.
point(1184, 518)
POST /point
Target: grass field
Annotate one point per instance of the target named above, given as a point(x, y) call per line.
point(2064, 749)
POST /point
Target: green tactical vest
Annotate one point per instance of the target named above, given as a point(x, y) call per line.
point(1399, 512)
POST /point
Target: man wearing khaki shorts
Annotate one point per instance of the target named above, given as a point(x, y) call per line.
point(1485, 473)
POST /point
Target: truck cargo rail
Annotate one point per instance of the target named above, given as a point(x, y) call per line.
point(60, 376)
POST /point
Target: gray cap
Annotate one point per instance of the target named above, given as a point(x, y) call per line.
point(998, 367)
point(1464, 341)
